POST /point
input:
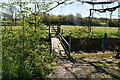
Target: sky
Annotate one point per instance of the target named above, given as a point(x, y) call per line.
point(83, 9)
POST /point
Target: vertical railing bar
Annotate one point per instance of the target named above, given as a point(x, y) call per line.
point(69, 44)
point(61, 30)
point(50, 39)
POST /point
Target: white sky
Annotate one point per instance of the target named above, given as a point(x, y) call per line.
point(83, 9)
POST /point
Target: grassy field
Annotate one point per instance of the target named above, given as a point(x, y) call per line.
point(94, 29)
point(70, 27)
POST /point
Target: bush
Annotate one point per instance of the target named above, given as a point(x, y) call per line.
point(25, 56)
point(114, 23)
point(80, 52)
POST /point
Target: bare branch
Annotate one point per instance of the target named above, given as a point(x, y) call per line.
point(58, 3)
point(107, 9)
point(98, 2)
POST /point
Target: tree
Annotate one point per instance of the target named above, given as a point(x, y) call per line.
point(78, 19)
point(70, 19)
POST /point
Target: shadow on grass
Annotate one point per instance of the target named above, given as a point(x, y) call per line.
point(100, 69)
point(81, 61)
point(64, 60)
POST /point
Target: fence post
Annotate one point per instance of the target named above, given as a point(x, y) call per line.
point(119, 19)
point(104, 42)
point(62, 31)
point(58, 29)
point(69, 44)
point(89, 22)
point(50, 39)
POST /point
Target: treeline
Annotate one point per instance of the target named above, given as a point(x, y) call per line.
point(114, 23)
point(64, 20)
point(78, 20)
point(70, 20)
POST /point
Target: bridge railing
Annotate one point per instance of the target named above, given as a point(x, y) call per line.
point(65, 43)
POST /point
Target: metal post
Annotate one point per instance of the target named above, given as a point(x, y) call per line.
point(104, 42)
point(69, 44)
point(89, 24)
point(50, 39)
point(58, 28)
point(35, 15)
point(119, 19)
point(62, 31)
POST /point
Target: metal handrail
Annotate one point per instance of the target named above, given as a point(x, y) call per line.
point(64, 39)
point(68, 50)
point(65, 30)
point(54, 29)
point(67, 42)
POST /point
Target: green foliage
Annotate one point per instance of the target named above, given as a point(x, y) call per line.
point(95, 22)
point(78, 20)
point(114, 23)
point(26, 50)
point(26, 56)
point(79, 33)
point(85, 33)
point(80, 52)
point(70, 20)
point(118, 64)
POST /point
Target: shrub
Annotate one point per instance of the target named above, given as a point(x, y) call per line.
point(25, 56)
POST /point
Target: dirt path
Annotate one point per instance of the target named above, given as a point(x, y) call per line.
point(85, 67)
point(61, 70)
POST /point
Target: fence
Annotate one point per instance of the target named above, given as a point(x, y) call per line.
point(58, 32)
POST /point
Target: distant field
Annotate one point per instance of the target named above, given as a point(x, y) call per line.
point(94, 29)
point(70, 27)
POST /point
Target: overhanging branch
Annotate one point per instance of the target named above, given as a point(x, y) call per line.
point(107, 9)
point(58, 3)
point(98, 2)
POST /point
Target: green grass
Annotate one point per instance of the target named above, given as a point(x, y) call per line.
point(105, 29)
point(97, 31)
point(94, 29)
point(70, 27)
point(102, 55)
